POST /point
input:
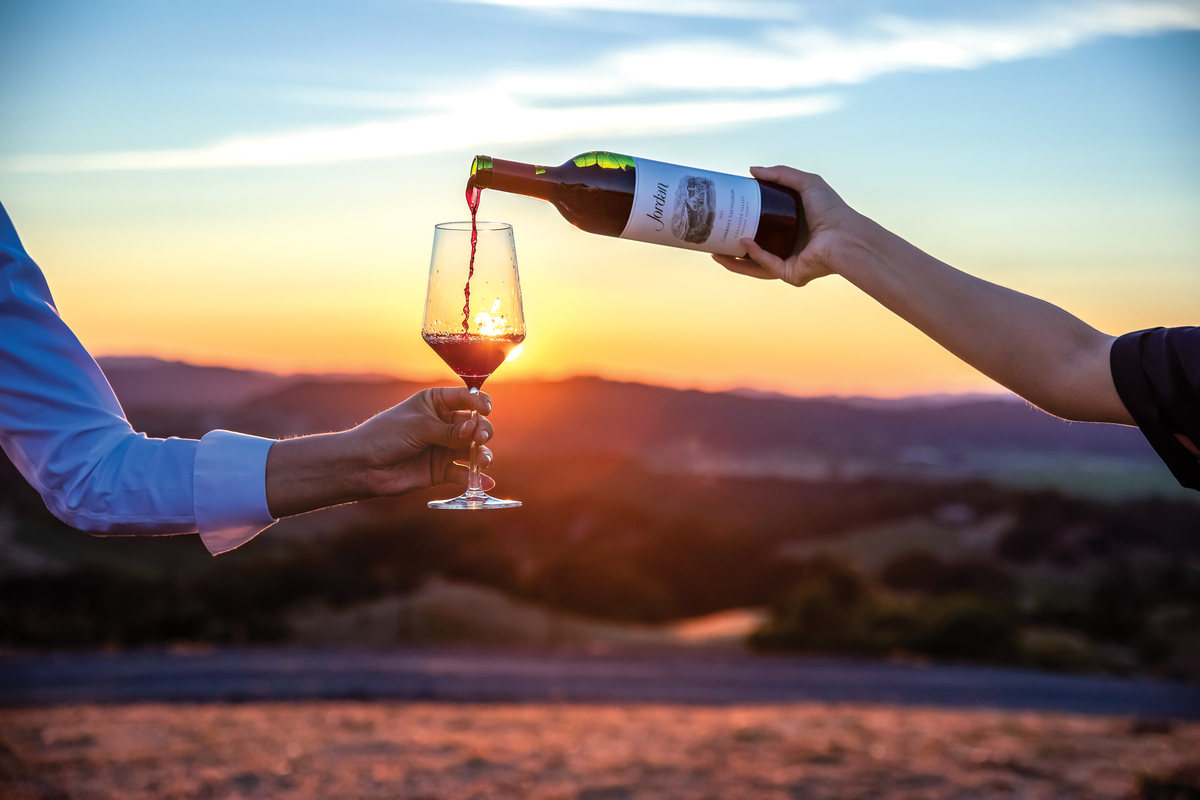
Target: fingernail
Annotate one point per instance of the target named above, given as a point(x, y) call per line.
point(484, 436)
point(489, 407)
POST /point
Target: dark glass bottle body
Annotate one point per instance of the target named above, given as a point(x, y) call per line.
point(595, 193)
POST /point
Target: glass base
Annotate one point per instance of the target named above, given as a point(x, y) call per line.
point(473, 501)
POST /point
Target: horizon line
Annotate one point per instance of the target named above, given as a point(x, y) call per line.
point(933, 398)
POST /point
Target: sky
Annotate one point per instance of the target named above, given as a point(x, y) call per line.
point(256, 184)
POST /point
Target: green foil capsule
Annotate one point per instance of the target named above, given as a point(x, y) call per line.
point(605, 160)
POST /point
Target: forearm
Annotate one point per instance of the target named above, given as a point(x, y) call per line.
point(312, 472)
point(1045, 355)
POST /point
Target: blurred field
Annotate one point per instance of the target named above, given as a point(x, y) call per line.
point(362, 750)
point(447, 612)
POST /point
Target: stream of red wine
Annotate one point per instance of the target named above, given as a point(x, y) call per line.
point(473, 194)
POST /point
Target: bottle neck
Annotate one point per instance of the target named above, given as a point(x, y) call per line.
point(513, 177)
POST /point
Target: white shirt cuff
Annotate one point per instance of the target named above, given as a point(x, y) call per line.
point(229, 489)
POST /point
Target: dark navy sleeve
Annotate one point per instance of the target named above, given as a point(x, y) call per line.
point(1157, 374)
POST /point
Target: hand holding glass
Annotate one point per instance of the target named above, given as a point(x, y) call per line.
point(473, 321)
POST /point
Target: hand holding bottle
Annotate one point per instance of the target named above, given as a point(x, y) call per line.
point(831, 225)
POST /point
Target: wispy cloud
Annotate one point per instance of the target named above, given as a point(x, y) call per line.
point(505, 122)
point(727, 9)
point(807, 57)
point(740, 82)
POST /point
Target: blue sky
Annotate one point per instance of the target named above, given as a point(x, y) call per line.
point(258, 163)
point(218, 84)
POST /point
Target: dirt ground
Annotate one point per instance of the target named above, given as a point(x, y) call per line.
point(607, 752)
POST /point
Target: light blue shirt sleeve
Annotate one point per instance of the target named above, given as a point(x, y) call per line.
point(63, 428)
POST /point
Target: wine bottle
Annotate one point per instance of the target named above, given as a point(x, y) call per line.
point(635, 198)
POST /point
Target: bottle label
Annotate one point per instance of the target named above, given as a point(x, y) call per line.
point(693, 208)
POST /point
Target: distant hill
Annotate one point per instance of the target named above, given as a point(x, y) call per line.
point(145, 382)
point(671, 430)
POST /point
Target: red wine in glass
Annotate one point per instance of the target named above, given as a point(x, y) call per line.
point(473, 357)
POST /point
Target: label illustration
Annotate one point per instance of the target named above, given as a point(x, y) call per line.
point(692, 208)
point(695, 209)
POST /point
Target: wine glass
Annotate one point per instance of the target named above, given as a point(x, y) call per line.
point(473, 319)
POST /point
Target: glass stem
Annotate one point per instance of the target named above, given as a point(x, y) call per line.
point(474, 481)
